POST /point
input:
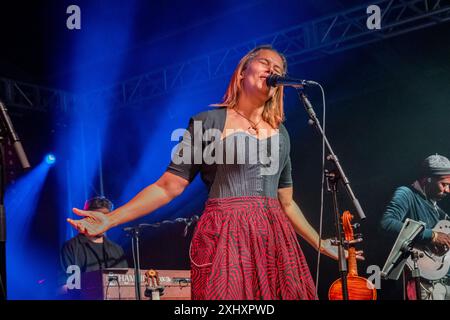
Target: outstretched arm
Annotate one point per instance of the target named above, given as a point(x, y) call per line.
point(149, 199)
point(302, 226)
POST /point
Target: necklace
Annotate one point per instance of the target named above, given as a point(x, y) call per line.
point(253, 126)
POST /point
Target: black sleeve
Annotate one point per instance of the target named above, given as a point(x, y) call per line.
point(67, 256)
point(187, 158)
point(286, 175)
point(286, 171)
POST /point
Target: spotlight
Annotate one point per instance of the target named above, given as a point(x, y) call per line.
point(50, 158)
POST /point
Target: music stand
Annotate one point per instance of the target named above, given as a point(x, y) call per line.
point(401, 251)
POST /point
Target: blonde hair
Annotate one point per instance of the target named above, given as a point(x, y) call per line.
point(273, 112)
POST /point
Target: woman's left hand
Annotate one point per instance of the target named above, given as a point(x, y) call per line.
point(332, 251)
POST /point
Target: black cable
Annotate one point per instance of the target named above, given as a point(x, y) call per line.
point(118, 286)
point(107, 288)
point(322, 192)
point(105, 254)
point(2, 289)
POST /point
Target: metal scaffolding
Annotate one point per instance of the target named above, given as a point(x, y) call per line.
point(31, 97)
point(307, 41)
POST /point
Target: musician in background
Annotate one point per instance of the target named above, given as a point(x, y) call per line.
point(92, 253)
point(419, 202)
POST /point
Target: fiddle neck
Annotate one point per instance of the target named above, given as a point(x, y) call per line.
point(352, 265)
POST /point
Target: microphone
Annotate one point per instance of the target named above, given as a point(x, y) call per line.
point(275, 81)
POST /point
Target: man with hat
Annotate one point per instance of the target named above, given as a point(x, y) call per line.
point(419, 202)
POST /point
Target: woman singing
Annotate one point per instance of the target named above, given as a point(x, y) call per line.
point(245, 244)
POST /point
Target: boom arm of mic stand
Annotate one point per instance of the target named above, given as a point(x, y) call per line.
point(310, 110)
point(9, 128)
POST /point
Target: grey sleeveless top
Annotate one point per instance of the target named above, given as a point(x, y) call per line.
point(235, 166)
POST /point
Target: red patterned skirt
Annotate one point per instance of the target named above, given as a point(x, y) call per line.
point(245, 248)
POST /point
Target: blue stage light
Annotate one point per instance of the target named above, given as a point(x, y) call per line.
point(50, 159)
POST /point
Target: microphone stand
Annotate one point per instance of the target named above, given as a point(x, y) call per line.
point(332, 182)
point(134, 232)
point(7, 131)
point(415, 273)
point(332, 156)
point(333, 179)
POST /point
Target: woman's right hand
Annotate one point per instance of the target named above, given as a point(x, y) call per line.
point(332, 251)
point(94, 223)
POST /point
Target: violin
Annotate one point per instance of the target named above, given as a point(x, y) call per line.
point(359, 288)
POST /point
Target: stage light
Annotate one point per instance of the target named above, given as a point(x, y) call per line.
point(50, 159)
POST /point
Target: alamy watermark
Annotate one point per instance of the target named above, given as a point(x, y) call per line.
point(74, 20)
point(374, 20)
point(375, 275)
point(208, 147)
point(74, 277)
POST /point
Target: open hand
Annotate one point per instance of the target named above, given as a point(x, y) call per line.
point(332, 251)
point(94, 223)
point(442, 239)
point(441, 243)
